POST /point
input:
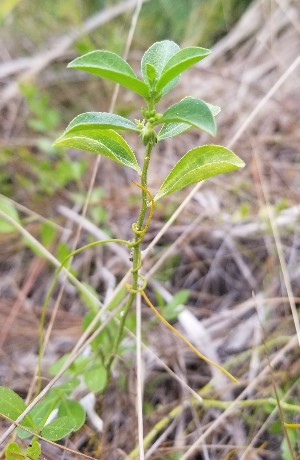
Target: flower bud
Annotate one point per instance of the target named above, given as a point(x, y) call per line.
point(148, 135)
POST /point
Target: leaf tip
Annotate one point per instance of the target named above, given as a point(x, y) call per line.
point(239, 162)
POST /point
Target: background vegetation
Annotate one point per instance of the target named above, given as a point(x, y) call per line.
point(226, 272)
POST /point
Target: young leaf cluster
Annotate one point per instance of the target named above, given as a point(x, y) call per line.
point(161, 67)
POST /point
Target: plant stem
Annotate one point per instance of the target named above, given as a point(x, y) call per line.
point(138, 237)
point(144, 174)
point(136, 257)
point(119, 333)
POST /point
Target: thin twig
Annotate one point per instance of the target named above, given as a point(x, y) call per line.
point(283, 265)
point(274, 362)
point(139, 375)
point(264, 100)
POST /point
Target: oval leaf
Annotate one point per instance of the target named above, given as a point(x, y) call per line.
point(13, 452)
point(96, 378)
point(199, 164)
point(43, 408)
point(191, 111)
point(181, 61)
point(104, 142)
point(100, 120)
point(34, 450)
point(151, 73)
point(111, 66)
point(72, 409)
point(12, 405)
point(59, 428)
point(157, 57)
point(174, 129)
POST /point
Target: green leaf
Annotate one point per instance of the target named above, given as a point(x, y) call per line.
point(62, 251)
point(70, 416)
point(151, 73)
point(69, 386)
point(157, 57)
point(59, 428)
point(43, 409)
point(99, 120)
point(12, 405)
point(105, 142)
point(23, 434)
point(179, 62)
point(215, 109)
point(96, 377)
point(173, 129)
point(13, 452)
point(104, 340)
point(199, 164)
point(111, 66)
point(48, 233)
point(191, 111)
point(58, 364)
point(179, 298)
point(8, 208)
point(34, 450)
point(73, 410)
point(176, 305)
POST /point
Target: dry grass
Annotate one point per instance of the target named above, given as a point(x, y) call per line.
point(242, 270)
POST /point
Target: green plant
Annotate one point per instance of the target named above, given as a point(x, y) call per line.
point(99, 133)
